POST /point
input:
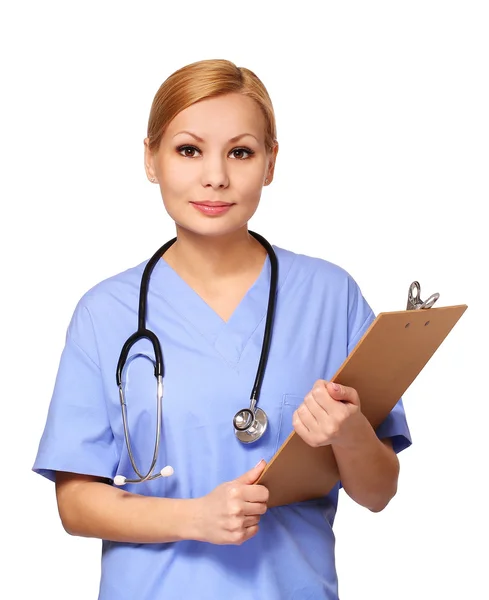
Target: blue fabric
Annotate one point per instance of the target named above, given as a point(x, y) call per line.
point(210, 366)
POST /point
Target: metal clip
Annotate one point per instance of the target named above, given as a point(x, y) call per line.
point(414, 301)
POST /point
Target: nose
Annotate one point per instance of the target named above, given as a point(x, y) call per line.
point(215, 172)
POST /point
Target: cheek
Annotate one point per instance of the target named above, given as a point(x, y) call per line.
point(176, 183)
point(248, 182)
point(177, 176)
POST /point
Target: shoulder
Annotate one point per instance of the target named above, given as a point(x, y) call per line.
point(115, 287)
point(305, 269)
point(107, 296)
point(327, 288)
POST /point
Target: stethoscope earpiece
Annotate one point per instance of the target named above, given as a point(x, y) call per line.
point(120, 480)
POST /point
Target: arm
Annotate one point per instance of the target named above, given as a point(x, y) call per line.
point(369, 468)
point(89, 507)
point(230, 514)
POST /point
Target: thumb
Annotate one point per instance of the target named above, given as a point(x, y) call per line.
point(253, 474)
point(343, 393)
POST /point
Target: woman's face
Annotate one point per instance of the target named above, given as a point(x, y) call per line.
point(212, 163)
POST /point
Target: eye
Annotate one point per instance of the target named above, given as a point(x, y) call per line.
point(241, 153)
point(188, 151)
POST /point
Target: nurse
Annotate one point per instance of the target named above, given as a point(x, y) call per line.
point(205, 531)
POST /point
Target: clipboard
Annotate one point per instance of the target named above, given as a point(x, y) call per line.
point(381, 367)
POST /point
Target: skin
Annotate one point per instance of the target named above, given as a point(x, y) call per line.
point(222, 157)
point(369, 467)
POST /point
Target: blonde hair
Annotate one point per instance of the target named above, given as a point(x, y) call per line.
point(207, 79)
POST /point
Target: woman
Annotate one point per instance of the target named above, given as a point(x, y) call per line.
point(211, 147)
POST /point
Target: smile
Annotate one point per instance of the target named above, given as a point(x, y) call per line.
point(212, 208)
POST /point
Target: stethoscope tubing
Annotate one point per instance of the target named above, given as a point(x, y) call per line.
point(144, 333)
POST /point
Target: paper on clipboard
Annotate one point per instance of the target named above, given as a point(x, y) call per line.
point(381, 367)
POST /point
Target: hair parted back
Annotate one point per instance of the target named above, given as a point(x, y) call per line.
point(206, 79)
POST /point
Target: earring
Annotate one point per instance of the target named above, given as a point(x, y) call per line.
point(153, 179)
point(266, 180)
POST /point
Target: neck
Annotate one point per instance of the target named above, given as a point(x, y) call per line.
point(201, 257)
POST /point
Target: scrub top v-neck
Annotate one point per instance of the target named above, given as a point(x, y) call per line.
point(227, 337)
point(210, 366)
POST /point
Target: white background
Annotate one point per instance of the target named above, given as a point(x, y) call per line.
point(382, 112)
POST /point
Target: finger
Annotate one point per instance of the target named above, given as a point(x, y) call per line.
point(253, 474)
point(245, 533)
point(322, 397)
point(301, 429)
point(315, 408)
point(255, 493)
point(251, 521)
point(306, 418)
point(254, 508)
point(251, 531)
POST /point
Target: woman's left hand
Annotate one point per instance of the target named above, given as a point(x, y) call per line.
point(330, 414)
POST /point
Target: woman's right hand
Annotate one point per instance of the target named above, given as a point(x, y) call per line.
point(231, 512)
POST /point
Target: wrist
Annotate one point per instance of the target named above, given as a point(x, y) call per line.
point(192, 520)
point(358, 435)
point(179, 520)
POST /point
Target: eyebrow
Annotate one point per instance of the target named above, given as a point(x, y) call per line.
point(232, 140)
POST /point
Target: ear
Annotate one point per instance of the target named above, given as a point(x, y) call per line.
point(149, 162)
point(271, 163)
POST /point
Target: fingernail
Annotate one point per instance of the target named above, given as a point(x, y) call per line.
point(258, 463)
point(336, 387)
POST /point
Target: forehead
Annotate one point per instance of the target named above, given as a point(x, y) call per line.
point(222, 117)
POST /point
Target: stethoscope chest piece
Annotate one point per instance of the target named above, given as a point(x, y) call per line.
point(249, 424)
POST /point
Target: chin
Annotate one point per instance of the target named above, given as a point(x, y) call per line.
point(212, 229)
point(213, 226)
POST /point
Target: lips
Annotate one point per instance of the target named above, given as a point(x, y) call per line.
point(212, 204)
point(212, 209)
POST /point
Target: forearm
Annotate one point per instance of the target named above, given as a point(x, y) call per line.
point(95, 509)
point(368, 468)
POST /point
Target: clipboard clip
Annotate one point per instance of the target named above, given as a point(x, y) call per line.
point(414, 300)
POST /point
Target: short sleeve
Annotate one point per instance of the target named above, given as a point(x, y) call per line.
point(77, 436)
point(360, 317)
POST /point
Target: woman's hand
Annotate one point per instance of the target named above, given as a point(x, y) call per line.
point(330, 414)
point(231, 512)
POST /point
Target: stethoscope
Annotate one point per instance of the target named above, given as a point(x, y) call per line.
point(249, 423)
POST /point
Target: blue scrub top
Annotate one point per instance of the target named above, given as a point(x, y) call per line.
point(210, 367)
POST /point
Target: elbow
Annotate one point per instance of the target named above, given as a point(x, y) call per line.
point(374, 500)
point(387, 490)
point(381, 501)
point(69, 509)
point(68, 520)
point(69, 530)
point(379, 507)
point(74, 495)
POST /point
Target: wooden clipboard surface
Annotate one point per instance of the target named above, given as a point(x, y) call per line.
point(381, 367)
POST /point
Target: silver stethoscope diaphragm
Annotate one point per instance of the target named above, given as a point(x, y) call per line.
point(250, 424)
